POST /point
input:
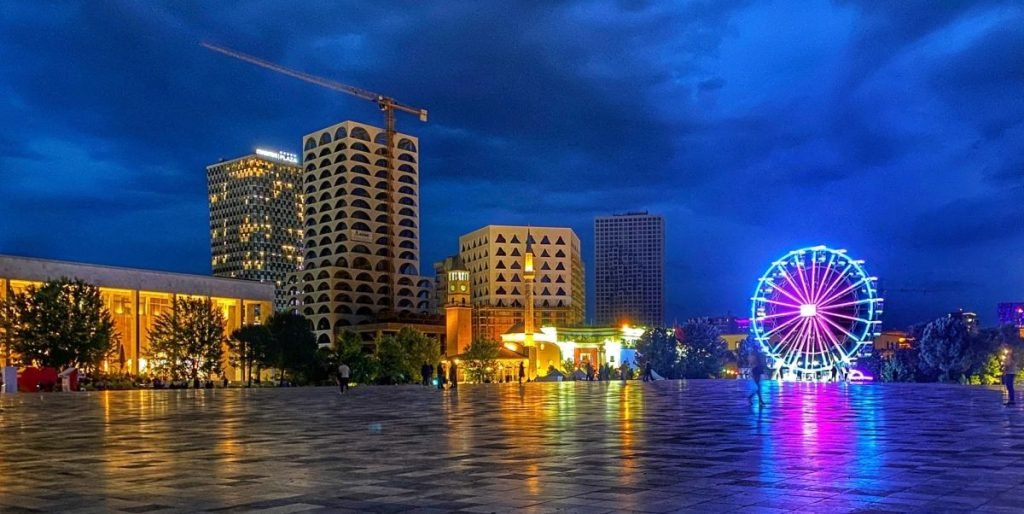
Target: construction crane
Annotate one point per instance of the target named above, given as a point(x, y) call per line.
point(386, 104)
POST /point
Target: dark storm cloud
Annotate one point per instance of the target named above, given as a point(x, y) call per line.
point(893, 128)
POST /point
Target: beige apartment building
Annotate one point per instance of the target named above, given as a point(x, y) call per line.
point(494, 257)
point(361, 255)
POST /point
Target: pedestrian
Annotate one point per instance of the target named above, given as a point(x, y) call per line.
point(624, 371)
point(522, 372)
point(453, 375)
point(440, 376)
point(1009, 375)
point(648, 372)
point(343, 374)
point(590, 372)
point(428, 374)
point(225, 380)
point(756, 372)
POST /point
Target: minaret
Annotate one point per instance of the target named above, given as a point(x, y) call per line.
point(528, 317)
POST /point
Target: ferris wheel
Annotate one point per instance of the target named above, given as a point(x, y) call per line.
point(814, 309)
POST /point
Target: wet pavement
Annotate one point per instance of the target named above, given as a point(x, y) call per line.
point(691, 446)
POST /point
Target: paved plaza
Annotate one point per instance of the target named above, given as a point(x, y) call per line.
point(689, 446)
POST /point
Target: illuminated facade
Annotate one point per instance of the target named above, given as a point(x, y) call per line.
point(495, 258)
point(136, 298)
point(629, 266)
point(355, 217)
point(1011, 313)
point(256, 218)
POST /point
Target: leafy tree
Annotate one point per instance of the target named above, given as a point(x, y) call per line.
point(249, 345)
point(393, 363)
point(293, 344)
point(747, 347)
point(479, 357)
point(659, 347)
point(348, 347)
point(62, 323)
point(419, 349)
point(945, 348)
point(900, 367)
point(188, 341)
point(702, 351)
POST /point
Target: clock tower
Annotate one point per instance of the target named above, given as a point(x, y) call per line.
point(458, 313)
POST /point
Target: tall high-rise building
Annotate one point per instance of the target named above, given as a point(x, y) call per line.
point(361, 231)
point(495, 258)
point(629, 255)
point(256, 218)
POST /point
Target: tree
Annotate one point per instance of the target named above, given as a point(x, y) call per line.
point(702, 351)
point(348, 347)
point(747, 347)
point(419, 349)
point(659, 347)
point(188, 341)
point(480, 358)
point(392, 361)
point(249, 345)
point(62, 323)
point(944, 348)
point(293, 344)
point(901, 366)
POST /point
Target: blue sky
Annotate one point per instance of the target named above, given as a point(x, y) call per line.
point(892, 129)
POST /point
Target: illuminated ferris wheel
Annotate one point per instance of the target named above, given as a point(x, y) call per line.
point(814, 309)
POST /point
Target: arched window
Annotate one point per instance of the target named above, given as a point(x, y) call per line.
point(310, 144)
point(406, 157)
point(406, 168)
point(381, 138)
point(325, 138)
point(360, 133)
point(360, 203)
point(340, 133)
point(361, 147)
point(359, 225)
point(406, 144)
point(360, 158)
point(358, 168)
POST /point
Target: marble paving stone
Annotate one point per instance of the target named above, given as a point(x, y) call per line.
point(671, 446)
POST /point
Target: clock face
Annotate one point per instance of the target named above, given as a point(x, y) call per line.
point(462, 288)
point(451, 287)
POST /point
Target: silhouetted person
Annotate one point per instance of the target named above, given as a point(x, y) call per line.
point(522, 371)
point(440, 376)
point(1009, 375)
point(453, 375)
point(343, 373)
point(756, 372)
point(225, 381)
point(428, 373)
point(648, 372)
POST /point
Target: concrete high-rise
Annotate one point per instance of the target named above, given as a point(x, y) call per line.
point(629, 259)
point(256, 218)
point(495, 258)
point(362, 229)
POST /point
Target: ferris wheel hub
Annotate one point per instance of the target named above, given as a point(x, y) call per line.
point(808, 310)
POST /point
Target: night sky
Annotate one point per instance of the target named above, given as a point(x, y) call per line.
point(894, 129)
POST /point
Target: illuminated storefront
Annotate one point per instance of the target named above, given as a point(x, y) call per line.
point(136, 298)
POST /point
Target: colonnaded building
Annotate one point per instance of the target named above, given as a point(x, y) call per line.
point(136, 298)
point(361, 260)
point(256, 218)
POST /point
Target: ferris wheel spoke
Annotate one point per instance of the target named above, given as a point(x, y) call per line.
point(787, 293)
point(781, 326)
point(803, 282)
point(776, 315)
point(840, 328)
point(832, 340)
point(833, 283)
point(776, 302)
point(844, 316)
point(824, 278)
point(788, 338)
point(847, 304)
point(847, 289)
point(796, 289)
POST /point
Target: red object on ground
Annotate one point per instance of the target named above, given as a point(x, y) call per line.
point(31, 380)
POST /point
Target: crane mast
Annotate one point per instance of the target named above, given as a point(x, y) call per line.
point(387, 105)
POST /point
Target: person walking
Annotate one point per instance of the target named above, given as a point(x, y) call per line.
point(624, 372)
point(756, 372)
point(522, 372)
point(453, 375)
point(343, 374)
point(427, 371)
point(1009, 375)
point(440, 377)
point(648, 372)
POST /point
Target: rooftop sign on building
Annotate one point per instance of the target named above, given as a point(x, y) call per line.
point(280, 156)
